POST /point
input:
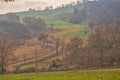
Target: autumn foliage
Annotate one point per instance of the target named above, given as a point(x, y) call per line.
point(101, 49)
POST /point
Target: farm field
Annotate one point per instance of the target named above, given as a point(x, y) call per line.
point(104, 74)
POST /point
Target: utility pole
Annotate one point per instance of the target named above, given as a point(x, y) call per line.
point(57, 46)
point(24, 57)
point(36, 56)
point(2, 63)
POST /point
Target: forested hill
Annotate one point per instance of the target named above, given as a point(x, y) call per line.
point(96, 12)
point(104, 12)
point(61, 13)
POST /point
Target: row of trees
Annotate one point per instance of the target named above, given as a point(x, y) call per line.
point(71, 4)
point(64, 5)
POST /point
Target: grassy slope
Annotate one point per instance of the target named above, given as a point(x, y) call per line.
point(49, 16)
point(80, 33)
point(108, 74)
point(59, 17)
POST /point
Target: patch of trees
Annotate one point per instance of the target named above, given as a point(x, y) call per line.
point(34, 23)
point(48, 8)
point(37, 28)
point(100, 12)
point(101, 49)
point(16, 30)
point(104, 12)
point(10, 23)
point(31, 28)
point(77, 16)
point(12, 17)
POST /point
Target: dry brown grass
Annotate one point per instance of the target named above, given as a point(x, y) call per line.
point(28, 50)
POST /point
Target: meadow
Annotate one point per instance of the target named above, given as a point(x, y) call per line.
point(105, 74)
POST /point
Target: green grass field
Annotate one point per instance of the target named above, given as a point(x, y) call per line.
point(80, 33)
point(64, 25)
point(107, 74)
point(49, 15)
point(58, 17)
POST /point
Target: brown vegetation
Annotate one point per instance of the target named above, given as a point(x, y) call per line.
point(102, 49)
point(6, 48)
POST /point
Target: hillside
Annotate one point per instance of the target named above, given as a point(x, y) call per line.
point(85, 36)
point(104, 19)
point(50, 15)
point(59, 17)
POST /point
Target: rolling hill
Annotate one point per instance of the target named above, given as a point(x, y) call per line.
point(58, 17)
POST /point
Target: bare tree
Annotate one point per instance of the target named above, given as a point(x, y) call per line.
point(6, 47)
point(57, 46)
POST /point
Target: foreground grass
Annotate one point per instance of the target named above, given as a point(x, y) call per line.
point(111, 74)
